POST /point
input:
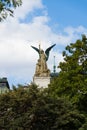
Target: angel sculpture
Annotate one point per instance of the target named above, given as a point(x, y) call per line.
point(41, 66)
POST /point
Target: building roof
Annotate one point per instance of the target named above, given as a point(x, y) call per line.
point(54, 74)
point(4, 82)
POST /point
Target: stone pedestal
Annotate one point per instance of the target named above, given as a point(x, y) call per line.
point(41, 81)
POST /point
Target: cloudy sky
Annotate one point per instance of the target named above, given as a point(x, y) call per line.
point(38, 21)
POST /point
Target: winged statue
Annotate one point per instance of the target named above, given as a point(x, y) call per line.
point(47, 51)
point(41, 66)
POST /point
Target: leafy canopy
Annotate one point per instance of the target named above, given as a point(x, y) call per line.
point(7, 6)
point(72, 80)
point(33, 109)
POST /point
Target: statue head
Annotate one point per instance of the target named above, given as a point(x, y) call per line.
point(42, 52)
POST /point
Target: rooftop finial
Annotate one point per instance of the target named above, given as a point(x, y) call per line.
point(54, 66)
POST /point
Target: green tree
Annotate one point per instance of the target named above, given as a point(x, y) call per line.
point(33, 109)
point(7, 6)
point(72, 80)
point(71, 83)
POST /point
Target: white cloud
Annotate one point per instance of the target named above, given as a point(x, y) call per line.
point(17, 58)
point(27, 7)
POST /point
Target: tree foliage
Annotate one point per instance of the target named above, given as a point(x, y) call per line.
point(34, 109)
point(6, 7)
point(72, 80)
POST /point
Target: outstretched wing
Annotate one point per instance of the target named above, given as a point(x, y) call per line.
point(48, 50)
point(36, 49)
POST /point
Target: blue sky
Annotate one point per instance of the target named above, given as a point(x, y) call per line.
point(38, 21)
point(67, 12)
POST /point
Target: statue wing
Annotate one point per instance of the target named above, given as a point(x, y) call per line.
point(48, 50)
point(36, 49)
